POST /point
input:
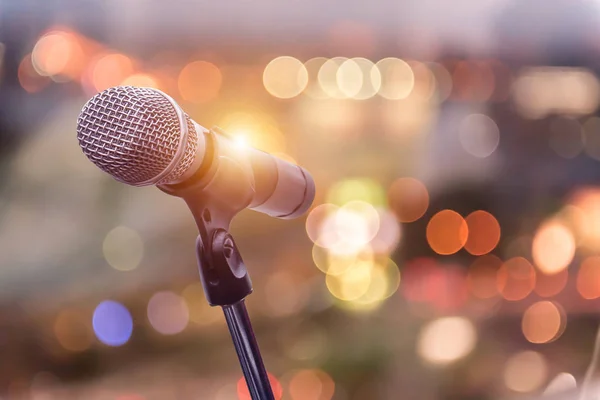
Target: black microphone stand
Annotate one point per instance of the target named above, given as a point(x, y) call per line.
point(220, 189)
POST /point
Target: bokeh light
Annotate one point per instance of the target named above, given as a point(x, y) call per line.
point(551, 285)
point(482, 276)
point(591, 130)
point(473, 80)
point(543, 322)
point(284, 294)
point(352, 283)
point(574, 219)
point(425, 84)
point(397, 78)
point(168, 313)
point(441, 286)
point(328, 77)
point(346, 230)
point(285, 77)
point(244, 394)
point(540, 91)
point(199, 81)
point(73, 330)
point(446, 340)
point(141, 80)
point(363, 189)
point(303, 341)
point(587, 200)
point(525, 372)
point(484, 233)
point(311, 384)
point(337, 260)
point(516, 279)
point(447, 232)
point(350, 78)
point(29, 79)
point(313, 89)
point(479, 135)
point(356, 223)
point(123, 248)
point(553, 247)
point(443, 81)
point(315, 221)
point(358, 78)
point(588, 278)
point(388, 235)
point(563, 382)
point(408, 199)
point(566, 137)
point(54, 51)
point(110, 70)
point(384, 282)
point(112, 323)
point(200, 311)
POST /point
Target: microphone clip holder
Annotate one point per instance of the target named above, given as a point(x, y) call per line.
point(220, 189)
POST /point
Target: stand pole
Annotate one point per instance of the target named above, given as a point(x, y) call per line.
point(247, 350)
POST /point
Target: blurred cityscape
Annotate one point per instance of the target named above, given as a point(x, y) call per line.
point(453, 249)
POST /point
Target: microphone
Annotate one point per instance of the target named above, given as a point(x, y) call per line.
point(141, 136)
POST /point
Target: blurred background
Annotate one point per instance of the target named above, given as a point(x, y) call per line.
point(453, 250)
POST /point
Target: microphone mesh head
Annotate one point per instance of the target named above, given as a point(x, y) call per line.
point(134, 135)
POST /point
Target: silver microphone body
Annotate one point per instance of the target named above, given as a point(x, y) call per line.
point(141, 136)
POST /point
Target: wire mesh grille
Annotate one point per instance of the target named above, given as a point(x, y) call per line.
point(133, 134)
point(188, 156)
